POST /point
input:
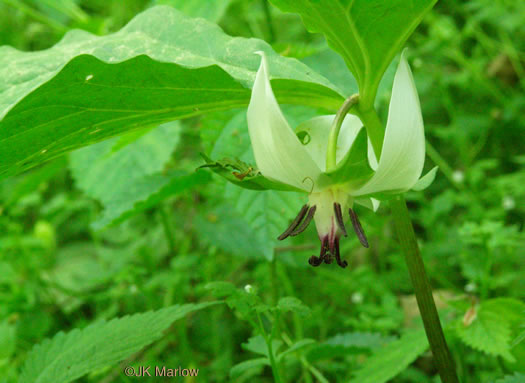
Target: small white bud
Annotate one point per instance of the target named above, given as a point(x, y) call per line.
point(471, 287)
point(508, 202)
point(357, 298)
point(458, 176)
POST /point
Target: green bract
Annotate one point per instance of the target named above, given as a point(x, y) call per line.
point(358, 176)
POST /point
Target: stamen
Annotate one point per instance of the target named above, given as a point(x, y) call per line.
point(358, 228)
point(341, 263)
point(302, 227)
point(339, 218)
point(294, 224)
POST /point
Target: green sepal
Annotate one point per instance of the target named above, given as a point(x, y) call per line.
point(242, 174)
point(354, 169)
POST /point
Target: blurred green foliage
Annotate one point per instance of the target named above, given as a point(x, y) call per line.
point(59, 272)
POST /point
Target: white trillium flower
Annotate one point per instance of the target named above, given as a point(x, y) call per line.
point(358, 177)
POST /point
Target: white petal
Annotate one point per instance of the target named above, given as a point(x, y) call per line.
point(370, 203)
point(403, 152)
point(279, 154)
point(318, 129)
point(425, 181)
point(372, 159)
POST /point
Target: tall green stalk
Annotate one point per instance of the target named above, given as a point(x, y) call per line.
point(423, 290)
point(416, 268)
point(268, 339)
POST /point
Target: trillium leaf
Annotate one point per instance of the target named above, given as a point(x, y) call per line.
point(243, 174)
point(403, 152)
point(366, 33)
point(162, 66)
point(128, 174)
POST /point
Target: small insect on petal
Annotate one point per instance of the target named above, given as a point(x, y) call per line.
point(294, 224)
point(358, 228)
point(302, 227)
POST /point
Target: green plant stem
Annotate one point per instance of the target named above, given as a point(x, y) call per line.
point(37, 15)
point(374, 128)
point(275, 283)
point(416, 268)
point(444, 167)
point(334, 131)
point(423, 291)
point(268, 340)
point(269, 21)
point(485, 283)
point(308, 368)
point(168, 229)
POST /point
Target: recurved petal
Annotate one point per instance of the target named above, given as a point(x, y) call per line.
point(318, 130)
point(370, 203)
point(403, 152)
point(279, 154)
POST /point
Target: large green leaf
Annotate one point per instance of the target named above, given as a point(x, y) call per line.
point(69, 356)
point(268, 213)
point(124, 171)
point(162, 66)
point(488, 333)
point(367, 33)
point(491, 330)
point(347, 344)
point(390, 360)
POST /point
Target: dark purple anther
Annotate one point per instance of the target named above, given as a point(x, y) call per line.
point(294, 224)
point(358, 228)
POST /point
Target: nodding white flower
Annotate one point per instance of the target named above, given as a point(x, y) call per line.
point(357, 176)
